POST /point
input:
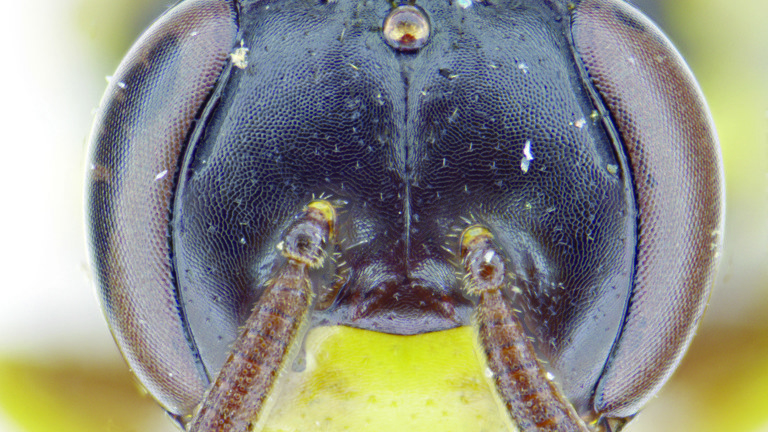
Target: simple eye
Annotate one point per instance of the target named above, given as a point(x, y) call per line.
point(406, 28)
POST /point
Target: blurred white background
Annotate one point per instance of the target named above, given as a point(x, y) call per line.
point(59, 369)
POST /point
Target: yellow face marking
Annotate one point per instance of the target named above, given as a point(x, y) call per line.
point(326, 212)
point(472, 233)
point(364, 381)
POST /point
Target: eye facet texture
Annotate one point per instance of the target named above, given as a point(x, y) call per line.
point(670, 140)
point(136, 149)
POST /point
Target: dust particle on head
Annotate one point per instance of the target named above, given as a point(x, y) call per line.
point(525, 162)
point(240, 56)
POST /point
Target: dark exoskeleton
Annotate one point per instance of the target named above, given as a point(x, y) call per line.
point(544, 170)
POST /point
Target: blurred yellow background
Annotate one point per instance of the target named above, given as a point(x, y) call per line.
point(59, 369)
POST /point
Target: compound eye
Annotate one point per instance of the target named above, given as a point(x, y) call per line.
point(406, 28)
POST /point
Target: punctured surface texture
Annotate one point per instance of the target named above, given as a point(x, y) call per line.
point(415, 145)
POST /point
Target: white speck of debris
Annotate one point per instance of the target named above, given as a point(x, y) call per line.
point(464, 3)
point(612, 169)
point(161, 174)
point(488, 372)
point(488, 257)
point(523, 67)
point(525, 162)
point(240, 56)
point(194, 33)
point(121, 85)
point(580, 123)
point(527, 150)
point(109, 81)
point(631, 60)
point(550, 376)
